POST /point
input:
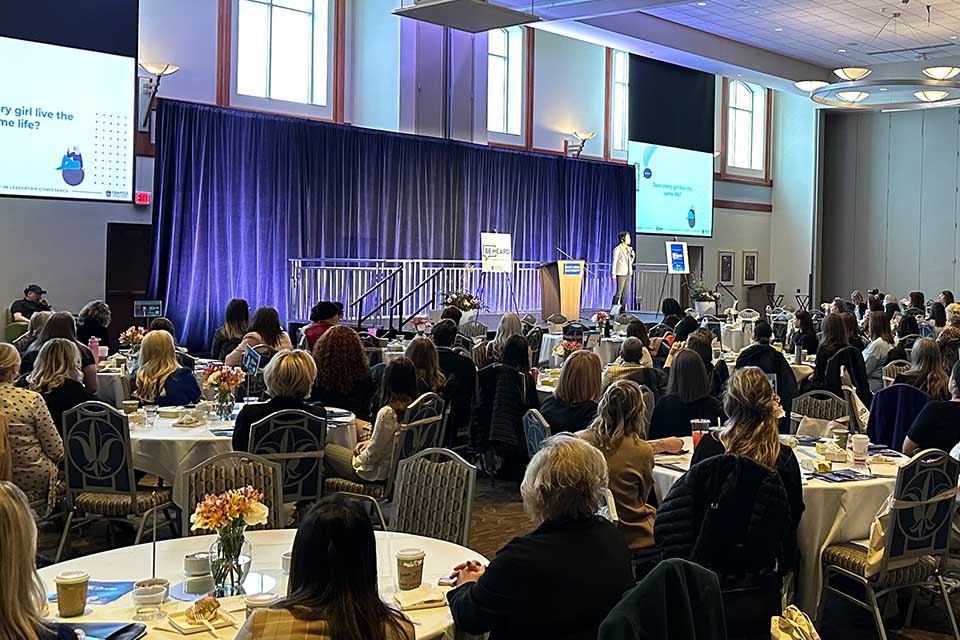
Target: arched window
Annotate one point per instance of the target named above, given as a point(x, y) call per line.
point(746, 127)
point(504, 80)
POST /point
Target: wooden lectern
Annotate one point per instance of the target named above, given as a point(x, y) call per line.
point(561, 283)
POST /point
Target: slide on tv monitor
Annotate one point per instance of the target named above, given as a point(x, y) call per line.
point(674, 190)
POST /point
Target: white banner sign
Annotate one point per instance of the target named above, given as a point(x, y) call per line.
point(496, 253)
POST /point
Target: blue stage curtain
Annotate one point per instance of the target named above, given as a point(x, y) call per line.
point(238, 193)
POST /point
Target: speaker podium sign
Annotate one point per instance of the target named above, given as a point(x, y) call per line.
point(496, 253)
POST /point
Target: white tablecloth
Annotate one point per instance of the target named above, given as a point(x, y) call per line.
point(608, 349)
point(112, 388)
point(133, 563)
point(734, 339)
point(835, 513)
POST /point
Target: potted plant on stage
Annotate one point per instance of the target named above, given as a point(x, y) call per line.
point(224, 381)
point(229, 514)
point(468, 303)
point(704, 299)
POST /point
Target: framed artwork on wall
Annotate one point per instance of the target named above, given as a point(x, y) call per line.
point(725, 267)
point(750, 259)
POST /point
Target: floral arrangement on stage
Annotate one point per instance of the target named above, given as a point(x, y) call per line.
point(462, 300)
point(224, 381)
point(566, 347)
point(420, 324)
point(701, 293)
point(132, 338)
point(601, 317)
point(229, 514)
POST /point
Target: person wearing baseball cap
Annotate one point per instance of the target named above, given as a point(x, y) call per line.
point(323, 315)
point(33, 301)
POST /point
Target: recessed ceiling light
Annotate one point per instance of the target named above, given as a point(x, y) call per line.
point(883, 88)
point(953, 37)
point(779, 29)
point(841, 50)
point(701, 4)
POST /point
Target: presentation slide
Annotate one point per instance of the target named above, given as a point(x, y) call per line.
point(674, 190)
point(66, 122)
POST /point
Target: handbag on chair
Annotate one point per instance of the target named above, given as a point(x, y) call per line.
point(792, 625)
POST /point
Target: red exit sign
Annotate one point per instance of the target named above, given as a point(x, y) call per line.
point(142, 198)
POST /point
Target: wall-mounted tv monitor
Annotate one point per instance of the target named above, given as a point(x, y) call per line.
point(674, 190)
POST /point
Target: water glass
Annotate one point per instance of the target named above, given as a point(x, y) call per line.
point(150, 413)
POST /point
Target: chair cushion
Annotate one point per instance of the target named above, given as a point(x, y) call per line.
point(119, 504)
point(375, 490)
point(853, 558)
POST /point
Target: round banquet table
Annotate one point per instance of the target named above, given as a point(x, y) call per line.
point(133, 563)
point(164, 449)
point(835, 512)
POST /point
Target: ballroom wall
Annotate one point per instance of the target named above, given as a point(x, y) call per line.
point(889, 215)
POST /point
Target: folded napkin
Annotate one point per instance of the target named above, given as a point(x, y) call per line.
point(426, 596)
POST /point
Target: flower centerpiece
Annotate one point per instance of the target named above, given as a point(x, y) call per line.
point(463, 301)
point(420, 324)
point(704, 299)
point(566, 347)
point(229, 514)
point(602, 319)
point(224, 381)
point(131, 339)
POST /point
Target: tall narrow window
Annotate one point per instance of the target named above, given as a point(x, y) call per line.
point(621, 100)
point(746, 126)
point(283, 49)
point(504, 78)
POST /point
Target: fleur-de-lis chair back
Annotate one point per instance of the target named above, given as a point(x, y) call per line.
point(97, 451)
point(434, 496)
point(421, 428)
point(535, 430)
point(295, 439)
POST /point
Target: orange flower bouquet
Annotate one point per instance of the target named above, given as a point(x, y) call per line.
point(224, 381)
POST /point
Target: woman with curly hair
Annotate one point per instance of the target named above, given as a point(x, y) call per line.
point(92, 321)
point(343, 374)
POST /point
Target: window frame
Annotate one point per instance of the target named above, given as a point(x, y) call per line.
point(279, 106)
point(620, 89)
point(514, 62)
point(728, 172)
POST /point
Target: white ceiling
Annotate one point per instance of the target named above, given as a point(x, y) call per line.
point(816, 30)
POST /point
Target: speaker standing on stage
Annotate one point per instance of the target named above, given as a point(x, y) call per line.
point(623, 256)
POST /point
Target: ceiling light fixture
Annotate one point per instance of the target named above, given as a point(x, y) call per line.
point(931, 96)
point(810, 85)
point(852, 73)
point(853, 97)
point(942, 73)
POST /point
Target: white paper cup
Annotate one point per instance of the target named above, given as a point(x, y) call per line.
point(860, 445)
point(72, 593)
point(285, 560)
point(410, 568)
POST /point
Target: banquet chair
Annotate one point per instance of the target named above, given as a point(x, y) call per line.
point(535, 339)
point(557, 318)
point(859, 414)
point(535, 430)
point(529, 321)
point(574, 329)
point(295, 439)
point(893, 369)
point(661, 330)
point(892, 413)
point(820, 405)
point(474, 329)
point(372, 348)
point(11, 329)
point(421, 428)
point(99, 475)
point(369, 505)
point(231, 470)
point(434, 496)
point(749, 314)
point(463, 342)
point(915, 545)
point(625, 319)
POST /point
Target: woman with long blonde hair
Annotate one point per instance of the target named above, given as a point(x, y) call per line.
point(510, 325)
point(56, 376)
point(618, 432)
point(751, 431)
point(160, 380)
point(37, 321)
point(22, 597)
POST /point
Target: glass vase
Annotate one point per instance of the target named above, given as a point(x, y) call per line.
point(230, 559)
point(224, 403)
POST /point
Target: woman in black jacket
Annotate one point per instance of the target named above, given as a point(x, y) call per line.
point(688, 397)
point(806, 335)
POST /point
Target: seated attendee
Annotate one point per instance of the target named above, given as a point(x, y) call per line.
point(834, 339)
point(37, 321)
point(231, 332)
point(860, 308)
point(93, 321)
point(685, 327)
point(56, 376)
point(893, 311)
point(917, 301)
point(752, 431)
point(853, 331)
point(35, 442)
point(672, 312)
point(949, 338)
point(562, 579)
point(805, 335)
point(423, 354)
point(688, 397)
point(618, 431)
point(164, 324)
point(701, 342)
point(926, 371)
point(62, 325)
point(159, 379)
point(638, 329)
point(343, 374)
point(452, 313)
point(460, 372)
point(23, 607)
point(937, 426)
point(370, 461)
point(265, 332)
point(946, 298)
point(573, 404)
point(32, 302)
point(938, 317)
point(289, 379)
point(323, 315)
point(907, 327)
point(773, 363)
point(510, 325)
point(630, 364)
point(877, 354)
point(332, 591)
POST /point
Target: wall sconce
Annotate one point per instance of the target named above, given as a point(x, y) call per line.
point(577, 148)
point(149, 87)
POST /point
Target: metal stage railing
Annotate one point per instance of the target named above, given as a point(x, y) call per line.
point(388, 289)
